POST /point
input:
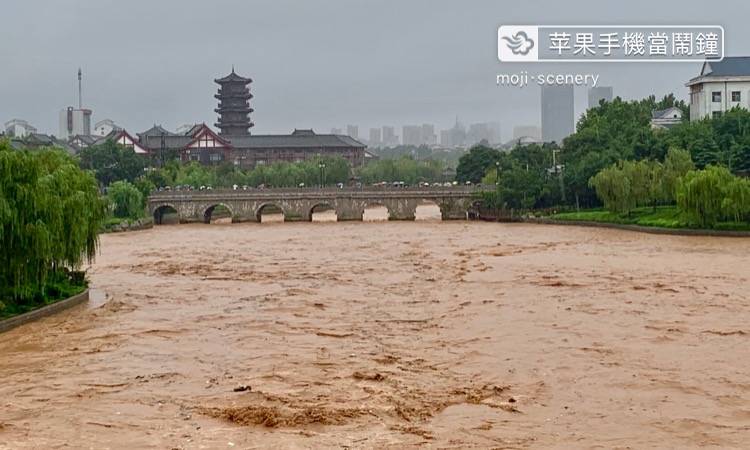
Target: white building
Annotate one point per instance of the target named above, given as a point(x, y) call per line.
point(18, 128)
point(104, 127)
point(666, 118)
point(721, 86)
point(74, 122)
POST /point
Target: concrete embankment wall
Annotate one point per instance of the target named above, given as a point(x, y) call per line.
point(44, 311)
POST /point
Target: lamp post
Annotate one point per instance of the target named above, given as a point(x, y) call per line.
point(322, 167)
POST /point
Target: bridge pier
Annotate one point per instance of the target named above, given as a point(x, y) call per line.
point(401, 209)
point(454, 209)
point(348, 210)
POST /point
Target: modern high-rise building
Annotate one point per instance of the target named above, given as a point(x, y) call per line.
point(596, 94)
point(375, 136)
point(557, 112)
point(454, 137)
point(352, 131)
point(411, 135)
point(487, 131)
point(428, 134)
point(389, 136)
point(336, 131)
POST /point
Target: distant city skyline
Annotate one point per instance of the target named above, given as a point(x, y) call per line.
point(305, 73)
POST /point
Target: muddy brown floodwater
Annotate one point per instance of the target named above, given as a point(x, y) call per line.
point(391, 335)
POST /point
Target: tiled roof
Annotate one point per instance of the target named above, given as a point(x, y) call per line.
point(156, 130)
point(294, 140)
point(666, 113)
point(171, 141)
point(728, 67)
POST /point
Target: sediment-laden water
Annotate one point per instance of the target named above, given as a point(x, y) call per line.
point(376, 335)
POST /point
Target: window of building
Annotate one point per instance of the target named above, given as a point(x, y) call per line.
point(716, 96)
point(716, 114)
point(736, 96)
point(194, 157)
point(215, 157)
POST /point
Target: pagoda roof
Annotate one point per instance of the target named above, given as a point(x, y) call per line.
point(233, 77)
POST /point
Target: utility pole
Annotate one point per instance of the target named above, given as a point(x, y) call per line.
point(80, 90)
point(558, 171)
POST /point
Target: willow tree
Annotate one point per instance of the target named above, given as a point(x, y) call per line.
point(676, 164)
point(701, 195)
point(50, 217)
point(736, 202)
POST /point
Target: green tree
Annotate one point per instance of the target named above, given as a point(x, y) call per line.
point(736, 202)
point(473, 165)
point(112, 162)
point(50, 217)
point(701, 195)
point(125, 199)
point(676, 164)
point(628, 184)
point(404, 169)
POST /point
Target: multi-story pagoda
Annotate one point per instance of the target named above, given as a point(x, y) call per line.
point(234, 105)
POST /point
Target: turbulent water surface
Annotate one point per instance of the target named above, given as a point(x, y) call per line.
point(372, 335)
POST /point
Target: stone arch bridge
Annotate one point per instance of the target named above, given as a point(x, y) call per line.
point(298, 204)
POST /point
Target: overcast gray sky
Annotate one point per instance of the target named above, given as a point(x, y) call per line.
point(318, 64)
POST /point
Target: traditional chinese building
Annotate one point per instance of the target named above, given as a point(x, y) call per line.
point(235, 144)
point(234, 105)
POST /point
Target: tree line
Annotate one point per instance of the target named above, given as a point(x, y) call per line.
point(616, 138)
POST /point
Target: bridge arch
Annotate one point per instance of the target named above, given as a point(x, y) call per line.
point(161, 209)
point(428, 209)
point(268, 207)
point(322, 206)
point(375, 208)
point(208, 212)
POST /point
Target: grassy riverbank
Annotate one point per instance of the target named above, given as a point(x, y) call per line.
point(661, 217)
point(59, 287)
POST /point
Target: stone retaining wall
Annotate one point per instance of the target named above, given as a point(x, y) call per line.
point(44, 311)
point(140, 224)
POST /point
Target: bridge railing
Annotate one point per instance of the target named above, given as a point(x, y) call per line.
point(332, 191)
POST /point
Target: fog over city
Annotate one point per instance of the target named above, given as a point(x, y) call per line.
point(319, 65)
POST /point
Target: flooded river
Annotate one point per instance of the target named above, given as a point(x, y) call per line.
point(378, 335)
